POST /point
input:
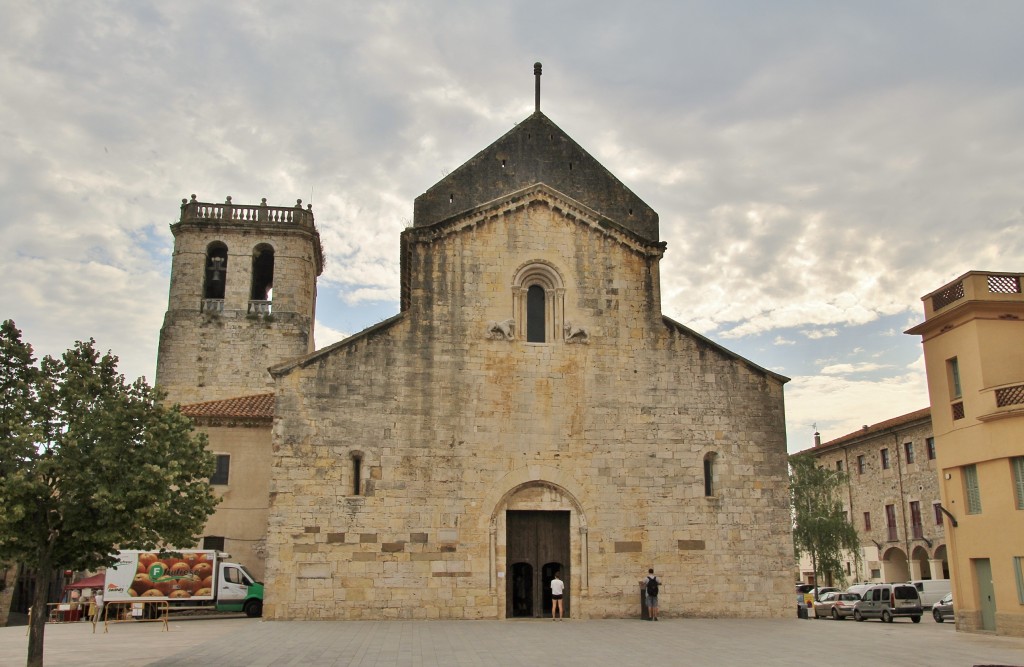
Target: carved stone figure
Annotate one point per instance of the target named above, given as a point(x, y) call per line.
point(575, 334)
point(504, 330)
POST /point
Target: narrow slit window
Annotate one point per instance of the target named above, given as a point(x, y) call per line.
point(709, 475)
point(357, 472)
point(953, 377)
point(536, 305)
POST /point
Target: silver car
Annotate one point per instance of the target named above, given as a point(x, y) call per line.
point(835, 605)
point(943, 609)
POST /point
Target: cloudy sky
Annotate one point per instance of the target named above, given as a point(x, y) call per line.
point(817, 166)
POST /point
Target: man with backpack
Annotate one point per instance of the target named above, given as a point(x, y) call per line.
point(651, 585)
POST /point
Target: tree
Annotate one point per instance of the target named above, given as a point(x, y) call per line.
point(90, 464)
point(821, 528)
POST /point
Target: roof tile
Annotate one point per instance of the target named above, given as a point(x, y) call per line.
point(880, 426)
point(260, 406)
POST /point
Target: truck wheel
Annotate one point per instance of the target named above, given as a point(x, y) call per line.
point(915, 619)
point(857, 616)
point(936, 615)
point(886, 617)
point(254, 608)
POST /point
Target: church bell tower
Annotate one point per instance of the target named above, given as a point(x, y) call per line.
point(242, 298)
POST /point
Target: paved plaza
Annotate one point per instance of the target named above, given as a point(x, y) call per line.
point(226, 642)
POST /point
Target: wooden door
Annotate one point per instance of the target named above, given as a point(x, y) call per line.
point(986, 592)
point(537, 546)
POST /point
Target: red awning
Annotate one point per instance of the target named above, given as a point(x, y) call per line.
point(95, 581)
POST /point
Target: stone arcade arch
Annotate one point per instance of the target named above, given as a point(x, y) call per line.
point(895, 567)
point(941, 569)
point(920, 566)
point(538, 511)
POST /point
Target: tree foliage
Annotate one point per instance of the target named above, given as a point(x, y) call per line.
point(90, 464)
point(821, 528)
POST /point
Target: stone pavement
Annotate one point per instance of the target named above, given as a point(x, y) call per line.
point(226, 642)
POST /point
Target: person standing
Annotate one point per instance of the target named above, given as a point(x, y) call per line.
point(557, 588)
point(651, 584)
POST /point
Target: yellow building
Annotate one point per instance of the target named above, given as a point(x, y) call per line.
point(973, 337)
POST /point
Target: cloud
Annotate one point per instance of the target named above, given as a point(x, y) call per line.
point(841, 405)
point(815, 334)
point(821, 170)
point(325, 335)
point(848, 369)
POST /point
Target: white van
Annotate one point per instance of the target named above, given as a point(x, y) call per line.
point(931, 590)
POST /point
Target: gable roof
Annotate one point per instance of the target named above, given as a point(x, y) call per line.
point(257, 406)
point(286, 367)
point(870, 431)
point(535, 151)
point(724, 351)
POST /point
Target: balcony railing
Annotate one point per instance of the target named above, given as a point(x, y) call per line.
point(259, 307)
point(212, 306)
point(976, 285)
point(954, 292)
point(1010, 396)
point(197, 210)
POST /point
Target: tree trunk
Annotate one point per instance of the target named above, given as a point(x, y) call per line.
point(814, 566)
point(37, 621)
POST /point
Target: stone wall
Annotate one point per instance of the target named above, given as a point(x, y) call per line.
point(453, 425)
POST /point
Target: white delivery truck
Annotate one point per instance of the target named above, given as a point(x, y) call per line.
point(186, 577)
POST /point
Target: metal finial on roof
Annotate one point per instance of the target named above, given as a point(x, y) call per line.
point(536, 76)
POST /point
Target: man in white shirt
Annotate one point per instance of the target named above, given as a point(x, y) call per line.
point(557, 587)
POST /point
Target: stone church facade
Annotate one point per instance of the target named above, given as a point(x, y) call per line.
point(528, 410)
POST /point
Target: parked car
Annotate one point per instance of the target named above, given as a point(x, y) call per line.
point(943, 609)
point(836, 605)
point(887, 601)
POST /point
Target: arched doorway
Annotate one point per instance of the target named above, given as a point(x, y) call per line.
point(528, 497)
point(537, 543)
point(520, 593)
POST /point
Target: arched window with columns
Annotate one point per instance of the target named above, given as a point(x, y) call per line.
point(538, 302)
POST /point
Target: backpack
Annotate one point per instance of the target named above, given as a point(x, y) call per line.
point(652, 587)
